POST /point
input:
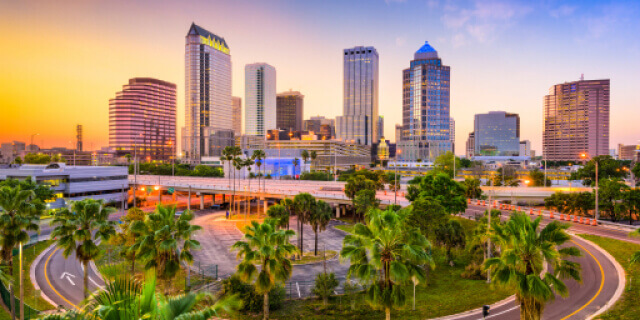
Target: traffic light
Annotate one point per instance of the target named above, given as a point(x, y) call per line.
point(485, 310)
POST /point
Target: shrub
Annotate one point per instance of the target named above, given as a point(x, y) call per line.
point(324, 286)
point(252, 301)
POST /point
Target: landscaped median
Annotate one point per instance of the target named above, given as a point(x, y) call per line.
point(627, 306)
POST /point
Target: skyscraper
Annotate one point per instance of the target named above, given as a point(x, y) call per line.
point(398, 132)
point(425, 107)
point(452, 134)
point(142, 120)
point(470, 149)
point(576, 120)
point(260, 98)
point(359, 121)
point(236, 107)
point(380, 133)
point(79, 137)
point(321, 126)
point(207, 90)
point(289, 111)
point(497, 133)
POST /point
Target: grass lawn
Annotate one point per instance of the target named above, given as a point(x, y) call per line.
point(29, 291)
point(627, 307)
point(445, 293)
point(309, 257)
point(345, 227)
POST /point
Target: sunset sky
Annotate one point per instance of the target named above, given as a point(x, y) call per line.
point(61, 61)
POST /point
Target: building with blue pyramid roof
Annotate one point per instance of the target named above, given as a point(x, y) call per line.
point(426, 130)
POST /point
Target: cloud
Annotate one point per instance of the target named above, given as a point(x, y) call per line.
point(482, 20)
point(432, 4)
point(562, 11)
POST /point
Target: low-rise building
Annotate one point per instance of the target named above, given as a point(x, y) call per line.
point(72, 183)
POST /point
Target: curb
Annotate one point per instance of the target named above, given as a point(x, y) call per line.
point(622, 278)
point(32, 274)
point(478, 310)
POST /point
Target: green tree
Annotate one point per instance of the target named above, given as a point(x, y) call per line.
point(319, 219)
point(324, 286)
point(268, 248)
point(78, 229)
point(364, 201)
point(313, 155)
point(440, 187)
point(127, 237)
point(386, 255)
point(18, 216)
point(17, 160)
point(610, 192)
point(296, 163)
point(465, 163)
point(37, 158)
point(394, 181)
point(288, 203)
point(427, 215)
point(537, 178)
point(450, 235)
point(608, 168)
point(305, 156)
point(472, 188)
point(166, 240)
point(444, 163)
point(280, 214)
point(583, 202)
point(304, 204)
point(259, 156)
point(525, 250)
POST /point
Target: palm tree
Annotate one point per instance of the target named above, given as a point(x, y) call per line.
point(313, 155)
point(238, 164)
point(127, 299)
point(525, 250)
point(450, 235)
point(75, 231)
point(387, 254)
point(290, 206)
point(17, 217)
point(227, 155)
point(305, 156)
point(319, 219)
point(280, 213)
point(248, 163)
point(259, 156)
point(162, 233)
point(304, 203)
point(295, 162)
point(268, 248)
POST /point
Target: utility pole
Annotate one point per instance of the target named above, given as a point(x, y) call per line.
point(489, 232)
point(135, 176)
point(597, 203)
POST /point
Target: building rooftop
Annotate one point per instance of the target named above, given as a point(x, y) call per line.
point(197, 30)
point(426, 52)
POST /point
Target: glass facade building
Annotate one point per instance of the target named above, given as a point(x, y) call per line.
point(359, 120)
point(425, 107)
point(260, 98)
point(289, 110)
point(576, 120)
point(143, 117)
point(497, 133)
point(236, 106)
point(207, 90)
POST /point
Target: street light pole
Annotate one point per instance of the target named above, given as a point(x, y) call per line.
point(597, 203)
point(489, 232)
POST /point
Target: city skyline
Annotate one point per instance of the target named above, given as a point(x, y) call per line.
point(483, 42)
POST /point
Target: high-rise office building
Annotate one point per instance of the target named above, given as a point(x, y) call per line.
point(79, 137)
point(470, 146)
point(576, 120)
point(289, 111)
point(525, 148)
point(452, 134)
point(628, 152)
point(359, 120)
point(207, 90)
point(380, 127)
point(497, 133)
point(321, 126)
point(259, 99)
point(425, 107)
point(236, 107)
point(398, 132)
point(142, 120)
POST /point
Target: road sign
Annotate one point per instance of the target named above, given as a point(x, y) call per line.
point(170, 190)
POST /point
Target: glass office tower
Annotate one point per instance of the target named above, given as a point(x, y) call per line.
point(359, 120)
point(207, 91)
point(425, 107)
point(289, 110)
point(497, 133)
point(259, 99)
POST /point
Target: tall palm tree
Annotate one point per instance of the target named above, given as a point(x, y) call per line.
point(387, 254)
point(450, 235)
point(127, 299)
point(305, 156)
point(237, 163)
point(17, 217)
point(259, 156)
point(304, 203)
point(296, 163)
point(227, 155)
point(319, 219)
point(166, 240)
point(248, 163)
point(268, 248)
point(313, 155)
point(78, 229)
point(525, 250)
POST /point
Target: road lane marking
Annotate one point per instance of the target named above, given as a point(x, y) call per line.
point(68, 276)
point(46, 264)
point(601, 282)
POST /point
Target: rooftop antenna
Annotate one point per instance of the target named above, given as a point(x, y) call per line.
point(582, 77)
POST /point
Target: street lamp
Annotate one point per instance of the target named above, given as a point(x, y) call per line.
point(585, 156)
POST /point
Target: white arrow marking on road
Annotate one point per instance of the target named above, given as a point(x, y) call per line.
point(68, 276)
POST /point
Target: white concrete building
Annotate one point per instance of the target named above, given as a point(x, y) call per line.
point(260, 99)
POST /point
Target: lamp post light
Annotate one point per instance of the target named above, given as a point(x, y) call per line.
point(585, 157)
